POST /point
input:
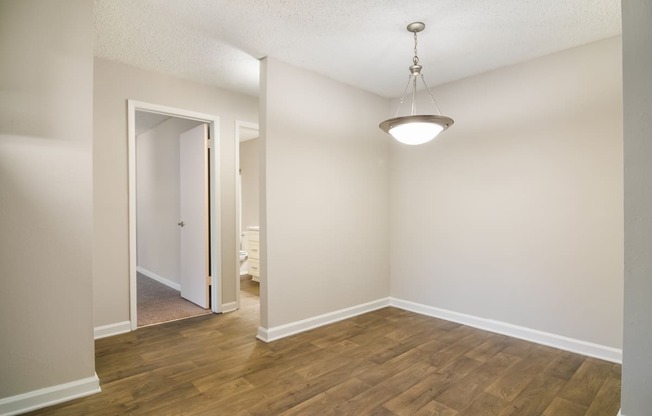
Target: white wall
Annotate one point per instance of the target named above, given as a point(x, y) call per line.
point(249, 174)
point(46, 132)
point(157, 197)
point(324, 219)
point(515, 213)
point(637, 67)
point(114, 83)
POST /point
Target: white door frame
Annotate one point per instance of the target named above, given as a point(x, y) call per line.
point(238, 201)
point(216, 241)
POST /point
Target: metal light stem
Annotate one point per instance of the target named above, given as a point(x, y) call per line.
point(414, 95)
point(435, 122)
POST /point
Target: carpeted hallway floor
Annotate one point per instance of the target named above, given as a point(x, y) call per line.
point(160, 303)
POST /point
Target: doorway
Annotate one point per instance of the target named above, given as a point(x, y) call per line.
point(206, 293)
point(171, 218)
point(247, 190)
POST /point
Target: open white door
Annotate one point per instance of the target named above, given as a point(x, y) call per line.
point(193, 224)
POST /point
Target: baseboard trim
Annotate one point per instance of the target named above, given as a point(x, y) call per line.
point(167, 282)
point(49, 396)
point(620, 412)
point(112, 329)
point(229, 307)
point(282, 331)
point(545, 338)
point(262, 334)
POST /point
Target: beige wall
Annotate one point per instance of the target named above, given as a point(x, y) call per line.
point(515, 213)
point(325, 175)
point(114, 84)
point(46, 132)
point(249, 174)
point(157, 197)
point(637, 67)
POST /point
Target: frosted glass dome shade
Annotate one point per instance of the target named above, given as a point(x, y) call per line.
point(415, 130)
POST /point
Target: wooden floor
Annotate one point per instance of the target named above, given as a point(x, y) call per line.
point(388, 362)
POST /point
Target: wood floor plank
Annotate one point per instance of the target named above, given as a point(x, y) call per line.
point(379, 373)
point(565, 365)
point(607, 401)
point(520, 375)
point(303, 390)
point(383, 391)
point(519, 348)
point(485, 405)
point(489, 348)
point(349, 330)
point(586, 382)
point(563, 407)
point(418, 396)
point(324, 402)
point(333, 360)
point(237, 385)
point(458, 395)
point(434, 408)
point(381, 411)
point(388, 362)
point(453, 351)
point(536, 396)
point(489, 371)
point(431, 346)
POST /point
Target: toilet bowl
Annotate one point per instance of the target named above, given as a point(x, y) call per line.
point(244, 266)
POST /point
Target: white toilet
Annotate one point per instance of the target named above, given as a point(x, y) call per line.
point(244, 264)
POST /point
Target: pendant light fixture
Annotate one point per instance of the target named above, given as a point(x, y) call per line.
point(416, 129)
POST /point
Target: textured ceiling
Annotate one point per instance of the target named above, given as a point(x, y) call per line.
point(359, 42)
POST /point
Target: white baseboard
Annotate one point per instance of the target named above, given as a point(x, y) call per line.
point(49, 396)
point(545, 338)
point(229, 307)
point(620, 413)
point(262, 334)
point(160, 279)
point(552, 340)
point(112, 329)
point(282, 331)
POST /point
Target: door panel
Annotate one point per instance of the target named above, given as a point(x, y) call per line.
point(194, 215)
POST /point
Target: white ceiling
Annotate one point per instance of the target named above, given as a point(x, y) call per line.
point(358, 42)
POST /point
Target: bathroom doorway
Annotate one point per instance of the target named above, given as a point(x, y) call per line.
point(247, 186)
point(145, 259)
point(171, 218)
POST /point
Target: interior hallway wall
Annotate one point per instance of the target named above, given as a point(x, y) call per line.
point(158, 196)
point(249, 174)
point(515, 213)
point(324, 182)
point(114, 83)
point(46, 193)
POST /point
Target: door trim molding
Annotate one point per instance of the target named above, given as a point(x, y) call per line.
point(216, 223)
